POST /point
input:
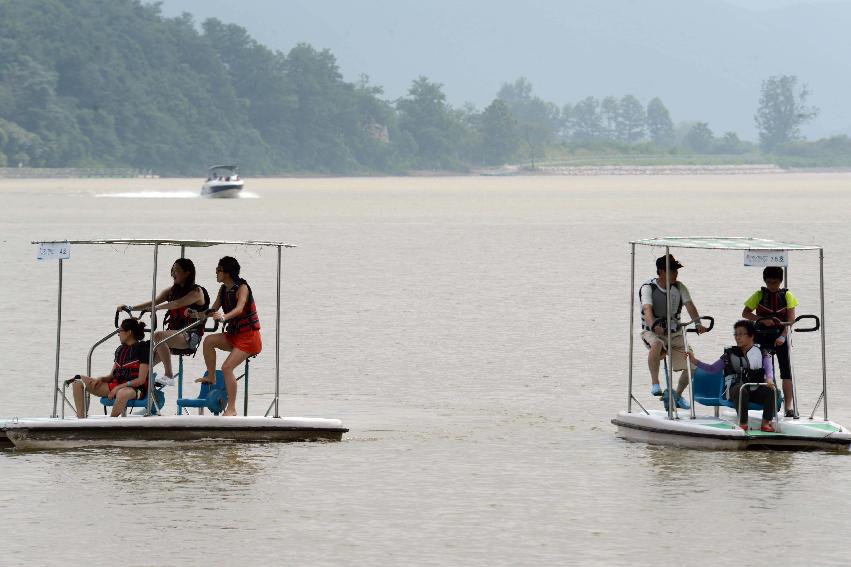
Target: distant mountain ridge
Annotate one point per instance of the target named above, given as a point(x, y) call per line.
point(705, 58)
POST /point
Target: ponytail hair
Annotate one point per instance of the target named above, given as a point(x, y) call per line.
point(134, 326)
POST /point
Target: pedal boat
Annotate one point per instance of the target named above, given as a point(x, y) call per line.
point(719, 429)
point(152, 428)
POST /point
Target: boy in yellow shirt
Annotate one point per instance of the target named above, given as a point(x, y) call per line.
point(774, 305)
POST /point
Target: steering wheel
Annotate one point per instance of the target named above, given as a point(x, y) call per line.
point(811, 329)
point(661, 321)
point(125, 309)
point(704, 318)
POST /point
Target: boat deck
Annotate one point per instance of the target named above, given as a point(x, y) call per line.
point(721, 433)
point(56, 433)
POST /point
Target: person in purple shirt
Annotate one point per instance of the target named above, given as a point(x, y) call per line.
point(746, 363)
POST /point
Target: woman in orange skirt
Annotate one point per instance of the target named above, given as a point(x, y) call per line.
point(241, 337)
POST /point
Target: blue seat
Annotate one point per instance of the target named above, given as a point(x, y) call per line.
point(159, 402)
point(212, 397)
point(708, 390)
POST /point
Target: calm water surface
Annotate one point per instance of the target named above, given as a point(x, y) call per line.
point(472, 334)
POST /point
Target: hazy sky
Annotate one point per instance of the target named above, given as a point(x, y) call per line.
point(705, 59)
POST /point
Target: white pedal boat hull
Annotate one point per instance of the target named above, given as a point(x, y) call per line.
point(720, 433)
point(56, 433)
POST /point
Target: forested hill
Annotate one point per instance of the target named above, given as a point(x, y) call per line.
point(114, 83)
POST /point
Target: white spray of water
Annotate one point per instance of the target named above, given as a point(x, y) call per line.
point(168, 195)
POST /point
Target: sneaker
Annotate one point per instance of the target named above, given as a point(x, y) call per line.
point(768, 428)
point(679, 400)
point(164, 380)
point(655, 390)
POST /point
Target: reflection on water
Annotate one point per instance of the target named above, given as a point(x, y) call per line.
point(472, 334)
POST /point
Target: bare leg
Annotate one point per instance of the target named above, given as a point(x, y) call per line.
point(211, 343)
point(80, 388)
point(788, 394)
point(654, 358)
point(121, 398)
point(234, 359)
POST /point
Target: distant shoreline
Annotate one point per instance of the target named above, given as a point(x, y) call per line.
point(504, 171)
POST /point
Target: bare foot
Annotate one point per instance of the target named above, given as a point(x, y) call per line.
point(204, 380)
point(229, 413)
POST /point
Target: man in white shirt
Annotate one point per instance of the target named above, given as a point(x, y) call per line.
point(655, 321)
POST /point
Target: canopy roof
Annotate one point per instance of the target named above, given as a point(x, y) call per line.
point(171, 242)
point(723, 243)
point(231, 167)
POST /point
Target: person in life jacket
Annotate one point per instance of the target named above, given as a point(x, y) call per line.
point(185, 302)
point(742, 364)
point(655, 322)
point(241, 336)
point(128, 379)
point(769, 307)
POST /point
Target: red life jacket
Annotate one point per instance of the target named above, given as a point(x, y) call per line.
point(179, 317)
point(128, 359)
point(773, 304)
point(248, 319)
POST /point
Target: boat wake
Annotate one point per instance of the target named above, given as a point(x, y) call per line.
point(169, 195)
point(153, 195)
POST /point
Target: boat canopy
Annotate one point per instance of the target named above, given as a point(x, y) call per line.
point(740, 243)
point(156, 243)
point(171, 242)
point(723, 243)
point(228, 167)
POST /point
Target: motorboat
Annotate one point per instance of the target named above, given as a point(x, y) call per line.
point(718, 429)
point(223, 182)
point(151, 426)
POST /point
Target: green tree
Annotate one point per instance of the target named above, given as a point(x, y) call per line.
point(631, 120)
point(659, 124)
point(586, 122)
point(538, 121)
point(782, 111)
point(499, 135)
point(610, 117)
point(425, 117)
point(729, 143)
point(699, 138)
point(323, 118)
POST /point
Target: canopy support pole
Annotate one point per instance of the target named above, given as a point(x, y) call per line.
point(669, 371)
point(58, 340)
point(278, 339)
point(153, 330)
point(823, 357)
point(631, 325)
